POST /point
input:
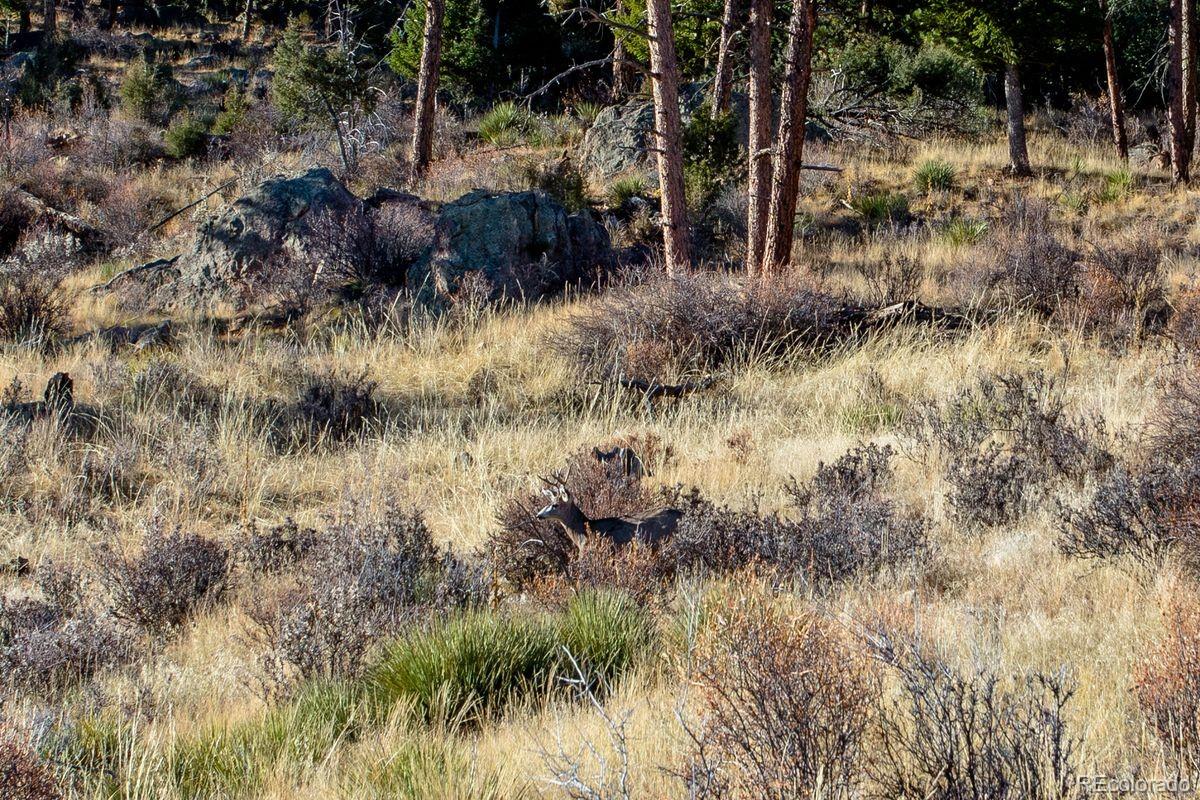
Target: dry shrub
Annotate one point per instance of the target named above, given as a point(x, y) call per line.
point(1004, 441)
point(1144, 510)
point(1173, 427)
point(844, 525)
point(1031, 266)
point(52, 641)
point(636, 571)
point(1167, 682)
point(1184, 328)
point(33, 307)
point(331, 409)
point(954, 735)
point(365, 577)
point(1122, 289)
point(526, 548)
point(696, 322)
point(23, 775)
point(161, 586)
point(789, 700)
point(275, 548)
point(1139, 515)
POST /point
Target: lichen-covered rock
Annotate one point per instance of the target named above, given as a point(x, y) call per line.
point(513, 245)
point(273, 220)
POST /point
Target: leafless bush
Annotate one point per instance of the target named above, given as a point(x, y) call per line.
point(24, 776)
point(276, 547)
point(526, 548)
point(365, 577)
point(1173, 428)
point(698, 321)
point(1004, 441)
point(331, 409)
point(848, 525)
point(403, 231)
point(894, 276)
point(951, 735)
point(844, 526)
point(790, 702)
point(1184, 328)
point(1138, 515)
point(51, 641)
point(1032, 267)
point(33, 307)
point(162, 585)
point(1167, 683)
point(1122, 287)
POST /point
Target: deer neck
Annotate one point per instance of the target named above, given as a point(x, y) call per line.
point(575, 524)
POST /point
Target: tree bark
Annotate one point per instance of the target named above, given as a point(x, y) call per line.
point(249, 11)
point(427, 85)
point(1116, 105)
point(1181, 86)
point(723, 80)
point(23, 21)
point(1018, 150)
point(789, 147)
point(664, 76)
point(759, 166)
point(50, 16)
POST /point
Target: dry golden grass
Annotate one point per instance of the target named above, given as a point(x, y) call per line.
point(1006, 597)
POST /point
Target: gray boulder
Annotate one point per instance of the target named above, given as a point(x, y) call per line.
point(274, 220)
point(511, 245)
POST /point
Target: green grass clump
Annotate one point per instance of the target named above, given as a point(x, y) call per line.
point(587, 112)
point(626, 188)
point(934, 175)
point(234, 761)
point(475, 665)
point(1118, 185)
point(878, 208)
point(505, 124)
point(960, 231)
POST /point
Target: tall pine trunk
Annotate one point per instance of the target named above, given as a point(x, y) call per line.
point(50, 16)
point(723, 80)
point(664, 75)
point(23, 21)
point(789, 147)
point(1181, 86)
point(427, 86)
point(1018, 150)
point(759, 166)
point(1116, 106)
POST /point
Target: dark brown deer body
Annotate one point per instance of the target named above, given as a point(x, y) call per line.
point(649, 529)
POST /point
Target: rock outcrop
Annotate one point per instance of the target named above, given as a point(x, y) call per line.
point(272, 221)
point(517, 244)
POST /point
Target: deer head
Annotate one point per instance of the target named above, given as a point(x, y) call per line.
point(562, 508)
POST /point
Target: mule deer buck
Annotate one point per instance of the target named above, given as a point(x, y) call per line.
point(647, 529)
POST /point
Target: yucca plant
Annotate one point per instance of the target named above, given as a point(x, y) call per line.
point(505, 124)
point(934, 175)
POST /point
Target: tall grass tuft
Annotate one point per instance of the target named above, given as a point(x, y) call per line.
point(505, 124)
point(934, 175)
point(472, 667)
